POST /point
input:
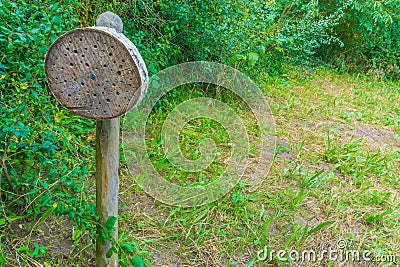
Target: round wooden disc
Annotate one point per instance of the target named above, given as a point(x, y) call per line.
point(96, 72)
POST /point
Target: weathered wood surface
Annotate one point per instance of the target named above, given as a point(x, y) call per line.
point(110, 20)
point(96, 72)
point(107, 163)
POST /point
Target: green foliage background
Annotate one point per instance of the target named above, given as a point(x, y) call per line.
point(42, 147)
point(47, 154)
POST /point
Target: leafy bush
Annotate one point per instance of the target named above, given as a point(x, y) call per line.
point(261, 36)
point(369, 35)
point(45, 152)
point(253, 36)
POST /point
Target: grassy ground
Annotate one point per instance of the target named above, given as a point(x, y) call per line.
point(335, 177)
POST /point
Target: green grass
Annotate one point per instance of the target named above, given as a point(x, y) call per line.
point(335, 176)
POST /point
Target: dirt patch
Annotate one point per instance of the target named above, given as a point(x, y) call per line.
point(283, 150)
point(372, 136)
point(377, 136)
point(166, 257)
point(54, 235)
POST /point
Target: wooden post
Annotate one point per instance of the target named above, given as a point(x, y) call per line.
point(107, 164)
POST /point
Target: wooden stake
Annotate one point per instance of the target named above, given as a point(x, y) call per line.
point(107, 164)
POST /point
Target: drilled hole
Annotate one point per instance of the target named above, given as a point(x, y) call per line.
point(119, 72)
point(76, 51)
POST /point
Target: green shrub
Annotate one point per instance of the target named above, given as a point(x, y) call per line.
point(253, 36)
point(261, 36)
point(369, 34)
point(45, 154)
